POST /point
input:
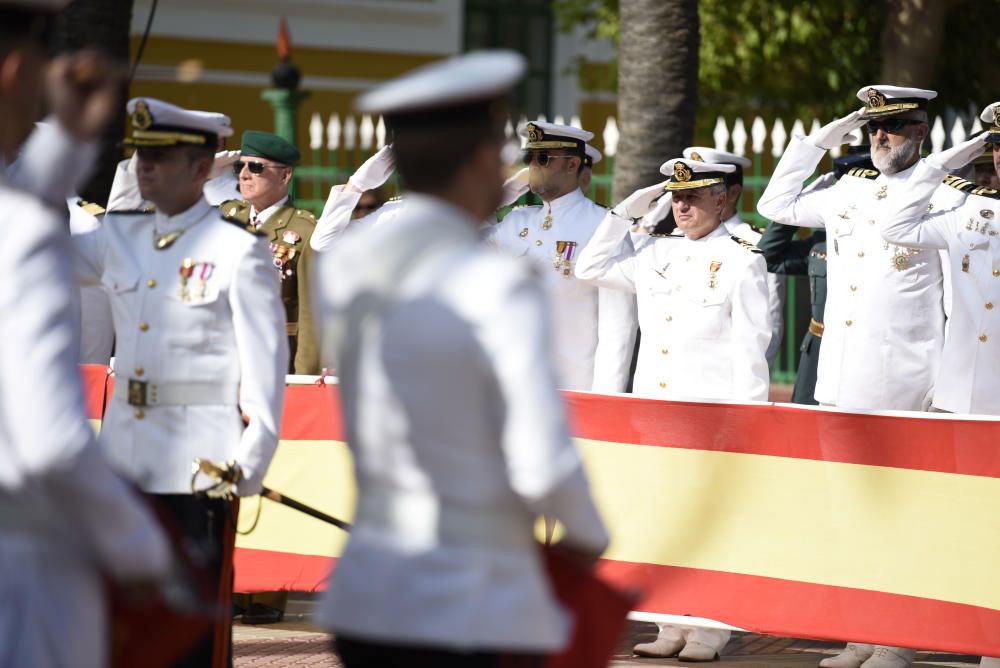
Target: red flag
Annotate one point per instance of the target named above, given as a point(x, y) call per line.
point(598, 611)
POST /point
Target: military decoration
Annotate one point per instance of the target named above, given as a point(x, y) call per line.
point(965, 263)
point(564, 257)
point(166, 240)
point(713, 271)
point(290, 237)
point(547, 222)
point(875, 99)
point(203, 271)
point(881, 193)
point(186, 270)
point(282, 255)
point(901, 256)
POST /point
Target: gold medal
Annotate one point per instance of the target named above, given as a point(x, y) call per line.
point(162, 241)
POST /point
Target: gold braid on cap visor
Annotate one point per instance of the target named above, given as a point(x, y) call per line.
point(690, 185)
point(163, 138)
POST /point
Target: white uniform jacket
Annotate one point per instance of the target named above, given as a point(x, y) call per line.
point(969, 379)
point(595, 328)
point(702, 310)
point(775, 287)
point(93, 311)
point(459, 439)
point(201, 322)
point(64, 516)
point(337, 212)
point(884, 322)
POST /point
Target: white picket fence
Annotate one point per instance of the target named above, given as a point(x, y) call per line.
point(367, 134)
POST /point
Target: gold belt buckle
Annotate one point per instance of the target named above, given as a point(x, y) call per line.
point(137, 392)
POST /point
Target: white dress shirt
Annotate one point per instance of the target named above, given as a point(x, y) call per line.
point(216, 338)
point(884, 321)
point(703, 310)
point(969, 377)
point(458, 434)
point(594, 328)
point(64, 516)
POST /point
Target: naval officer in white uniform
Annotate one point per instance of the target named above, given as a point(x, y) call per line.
point(595, 328)
point(66, 520)
point(884, 322)
point(199, 326)
point(969, 377)
point(736, 226)
point(442, 567)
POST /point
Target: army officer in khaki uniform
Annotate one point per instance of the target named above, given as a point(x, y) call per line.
point(264, 171)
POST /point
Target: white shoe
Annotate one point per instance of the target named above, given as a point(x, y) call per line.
point(989, 662)
point(661, 647)
point(695, 651)
point(890, 657)
point(852, 656)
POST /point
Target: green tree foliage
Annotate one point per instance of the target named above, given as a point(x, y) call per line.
point(788, 58)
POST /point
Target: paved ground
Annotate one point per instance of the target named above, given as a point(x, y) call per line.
point(295, 642)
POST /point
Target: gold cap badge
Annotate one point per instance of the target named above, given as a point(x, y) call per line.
point(682, 172)
point(535, 133)
point(996, 117)
point(875, 99)
point(141, 118)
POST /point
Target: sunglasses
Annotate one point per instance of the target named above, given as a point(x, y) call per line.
point(541, 158)
point(254, 167)
point(891, 126)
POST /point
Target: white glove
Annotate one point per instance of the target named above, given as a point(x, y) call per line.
point(838, 132)
point(223, 163)
point(374, 171)
point(639, 203)
point(514, 187)
point(960, 155)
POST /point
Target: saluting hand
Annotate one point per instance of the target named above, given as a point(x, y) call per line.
point(838, 132)
point(83, 92)
point(960, 155)
point(374, 171)
point(514, 187)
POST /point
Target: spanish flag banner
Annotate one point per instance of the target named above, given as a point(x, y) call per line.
point(788, 520)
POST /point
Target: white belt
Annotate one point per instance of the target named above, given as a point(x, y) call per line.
point(146, 393)
point(425, 518)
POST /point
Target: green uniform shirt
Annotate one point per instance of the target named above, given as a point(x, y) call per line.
point(287, 232)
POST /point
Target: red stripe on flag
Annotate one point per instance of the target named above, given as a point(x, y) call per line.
point(804, 610)
point(312, 413)
point(912, 442)
point(94, 377)
point(264, 570)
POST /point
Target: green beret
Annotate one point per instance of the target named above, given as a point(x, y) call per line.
point(268, 145)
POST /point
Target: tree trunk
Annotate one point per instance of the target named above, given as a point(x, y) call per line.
point(657, 88)
point(102, 24)
point(911, 41)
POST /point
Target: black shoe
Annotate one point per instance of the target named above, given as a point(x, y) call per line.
point(258, 613)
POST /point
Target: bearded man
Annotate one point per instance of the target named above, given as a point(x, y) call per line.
point(884, 321)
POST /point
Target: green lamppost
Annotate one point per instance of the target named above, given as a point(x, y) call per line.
point(284, 96)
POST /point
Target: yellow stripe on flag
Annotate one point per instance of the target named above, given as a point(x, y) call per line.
point(883, 529)
point(317, 473)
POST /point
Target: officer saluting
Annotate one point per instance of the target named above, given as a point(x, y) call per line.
point(265, 172)
point(199, 329)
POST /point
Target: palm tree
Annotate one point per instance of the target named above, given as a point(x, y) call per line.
point(103, 24)
point(657, 87)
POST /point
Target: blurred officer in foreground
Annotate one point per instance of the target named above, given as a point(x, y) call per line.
point(449, 399)
point(265, 174)
point(65, 518)
point(200, 337)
